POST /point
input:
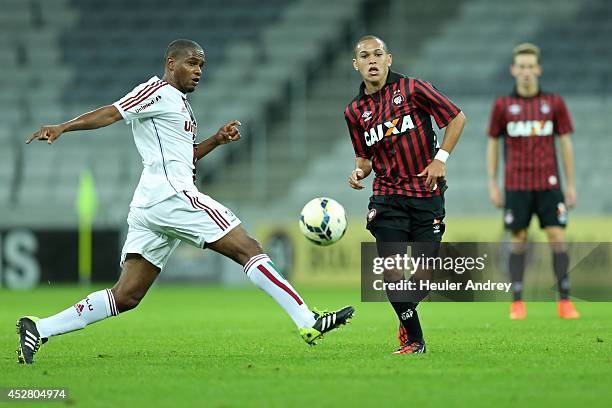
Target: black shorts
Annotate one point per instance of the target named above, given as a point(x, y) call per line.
point(549, 205)
point(421, 218)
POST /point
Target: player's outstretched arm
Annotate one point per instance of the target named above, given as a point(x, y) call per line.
point(436, 170)
point(226, 134)
point(363, 168)
point(104, 116)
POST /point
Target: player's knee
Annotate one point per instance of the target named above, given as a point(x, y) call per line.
point(555, 235)
point(519, 235)
point(238, 245)
point(519, 241)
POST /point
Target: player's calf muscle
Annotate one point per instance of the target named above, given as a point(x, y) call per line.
point(136, 278)
point(251, 249)
point(127, 297)
point(126, 301)
point(245, 249)
point(393, 275)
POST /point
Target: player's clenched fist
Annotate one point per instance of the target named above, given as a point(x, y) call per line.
point(495, 195)
point(228, 132)
point(354, 178)
point(48, 133)
point(434, 173)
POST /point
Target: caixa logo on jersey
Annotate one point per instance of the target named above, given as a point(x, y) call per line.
point(530, 128)
point(388, 128)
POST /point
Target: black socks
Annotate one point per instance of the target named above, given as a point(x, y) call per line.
point(517, 270)
point(561, 266)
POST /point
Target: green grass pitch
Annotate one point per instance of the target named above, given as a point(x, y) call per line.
point(203, 346)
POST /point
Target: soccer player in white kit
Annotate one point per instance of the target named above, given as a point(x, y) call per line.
point(167, 207)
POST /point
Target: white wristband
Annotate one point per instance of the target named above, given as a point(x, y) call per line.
point(442, 155)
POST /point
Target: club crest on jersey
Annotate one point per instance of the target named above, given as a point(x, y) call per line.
point(398, 98)
point(526, 128)
point(367, 115)
point(388, 128)
point(514, 109)
point(545, 108)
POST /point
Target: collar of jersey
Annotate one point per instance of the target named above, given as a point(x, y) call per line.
point(516, 94)
point(156, 78)
point(392, 77)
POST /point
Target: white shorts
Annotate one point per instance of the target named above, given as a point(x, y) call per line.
point(155, 232)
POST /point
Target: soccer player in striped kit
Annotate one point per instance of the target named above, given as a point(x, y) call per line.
point(529, 120)
point(167, 207)
point(390, 126)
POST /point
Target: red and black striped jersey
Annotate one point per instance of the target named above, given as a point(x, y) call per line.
point(528, 126)
point(393, 128)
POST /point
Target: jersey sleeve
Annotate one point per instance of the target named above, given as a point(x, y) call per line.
point(562, 120)
point(355, 132)
point(144, 101)
point(496, 122)
point(428, 98)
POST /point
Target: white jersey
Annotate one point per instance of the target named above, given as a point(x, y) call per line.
point(164, 130)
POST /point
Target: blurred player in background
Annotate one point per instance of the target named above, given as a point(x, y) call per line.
point(389, 122)
point(528, 120)
point(167, 207)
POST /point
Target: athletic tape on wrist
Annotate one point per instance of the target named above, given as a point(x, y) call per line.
point(442, 155)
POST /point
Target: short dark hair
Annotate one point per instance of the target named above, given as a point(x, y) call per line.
point(526, 49)
point(371, 37)
point(179, 48)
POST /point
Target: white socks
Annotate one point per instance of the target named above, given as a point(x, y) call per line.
point(95, 307)
point(262, 272)
point(101, 305)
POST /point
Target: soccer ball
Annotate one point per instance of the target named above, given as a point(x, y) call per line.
point(323, 221)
